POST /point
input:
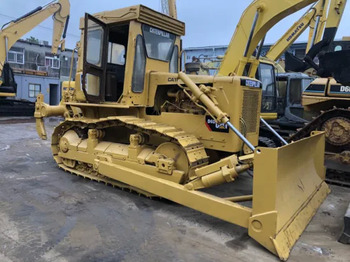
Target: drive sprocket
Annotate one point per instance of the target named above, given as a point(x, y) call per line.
point(337, 131)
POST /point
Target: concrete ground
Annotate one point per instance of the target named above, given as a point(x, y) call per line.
point(49, 215)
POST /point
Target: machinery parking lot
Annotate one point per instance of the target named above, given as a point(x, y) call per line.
point(49, 215)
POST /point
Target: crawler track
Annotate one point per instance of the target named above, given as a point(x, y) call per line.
point(193, 148)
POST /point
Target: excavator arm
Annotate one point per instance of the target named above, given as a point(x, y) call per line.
point(14, 30)
point(322, 33)
point(322, 19)
point(299, 27)
point(335, 14)
point(255, 22)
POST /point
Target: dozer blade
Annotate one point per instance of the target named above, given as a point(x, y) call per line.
point(288, 188)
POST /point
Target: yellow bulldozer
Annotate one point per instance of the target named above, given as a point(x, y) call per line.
point(133, 120)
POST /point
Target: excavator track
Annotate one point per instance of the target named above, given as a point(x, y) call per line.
point(193, 148)
point(318, 122)
point(12, 107)
point(334, 176)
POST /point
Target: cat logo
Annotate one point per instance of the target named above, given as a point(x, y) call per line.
point(215, 127)
point(172, 79)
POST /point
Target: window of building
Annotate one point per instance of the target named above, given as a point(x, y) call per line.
point(34, 90)
point(52, 62)
point(16, 55)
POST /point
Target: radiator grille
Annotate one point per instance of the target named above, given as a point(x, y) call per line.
point(250, 111)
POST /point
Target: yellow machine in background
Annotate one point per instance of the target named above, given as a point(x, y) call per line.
point(327, 104)
point(322, 19)
point(11, 32)
point(315, 19)
point(326, 101)
point(134, 121)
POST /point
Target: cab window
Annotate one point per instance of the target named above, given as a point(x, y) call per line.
point(159, 43)
point(138, 78)
point(94, 44)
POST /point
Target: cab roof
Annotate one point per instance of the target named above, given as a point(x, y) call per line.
point(143, 15)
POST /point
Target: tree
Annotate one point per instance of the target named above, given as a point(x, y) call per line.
point(33, 40)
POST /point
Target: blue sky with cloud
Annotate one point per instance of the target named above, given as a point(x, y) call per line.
point(208, 22)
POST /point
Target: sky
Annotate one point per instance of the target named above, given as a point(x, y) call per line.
point(208, 22)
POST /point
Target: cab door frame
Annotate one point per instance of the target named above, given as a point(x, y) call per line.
point(94, 69)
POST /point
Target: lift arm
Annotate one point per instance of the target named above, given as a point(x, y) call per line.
point(255, 22)
point(14, 30)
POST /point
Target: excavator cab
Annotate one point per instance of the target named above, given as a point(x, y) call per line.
point(290, 88)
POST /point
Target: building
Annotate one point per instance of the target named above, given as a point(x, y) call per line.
point(38, 71)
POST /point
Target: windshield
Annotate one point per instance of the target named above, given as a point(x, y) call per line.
point(159, 43)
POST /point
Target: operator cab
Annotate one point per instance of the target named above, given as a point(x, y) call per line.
point(291, 87)
point(119, 53)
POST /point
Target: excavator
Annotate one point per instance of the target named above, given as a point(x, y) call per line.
point(133, 120)
point(13, 31)
point(323, 20)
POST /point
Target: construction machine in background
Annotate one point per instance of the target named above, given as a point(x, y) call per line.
point(134, 121)
point(326, 101)
point(322, 19)
point(274, 105)
point(10, 33)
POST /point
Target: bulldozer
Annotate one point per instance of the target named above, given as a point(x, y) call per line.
point(133, 120)
point(326, 103)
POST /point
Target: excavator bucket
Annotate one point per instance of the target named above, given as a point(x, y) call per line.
point(337, 65)
point(288, 188)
